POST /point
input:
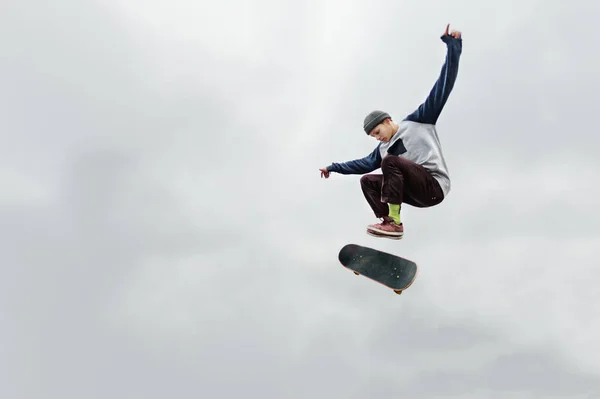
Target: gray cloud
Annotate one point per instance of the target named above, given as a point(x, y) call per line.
point(165, 232)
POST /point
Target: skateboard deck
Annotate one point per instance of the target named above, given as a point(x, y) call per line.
point(390, 270)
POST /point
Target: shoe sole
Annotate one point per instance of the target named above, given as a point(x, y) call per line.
point(386, 233)
point(379, 235)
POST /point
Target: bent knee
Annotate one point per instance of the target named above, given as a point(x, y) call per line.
point(367, 180)
point(391, 160)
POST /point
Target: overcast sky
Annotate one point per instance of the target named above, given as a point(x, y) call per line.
point(165, 233)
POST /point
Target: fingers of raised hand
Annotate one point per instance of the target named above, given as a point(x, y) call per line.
point(454, 33)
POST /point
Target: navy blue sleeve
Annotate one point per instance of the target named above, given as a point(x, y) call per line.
point(430, 110)
point(358, 166)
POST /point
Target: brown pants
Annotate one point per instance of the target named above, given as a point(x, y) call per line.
point(402, 181)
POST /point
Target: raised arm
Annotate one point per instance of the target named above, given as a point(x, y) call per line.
point(430, 110)
point(358, 166)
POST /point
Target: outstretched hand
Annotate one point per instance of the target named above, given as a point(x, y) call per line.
point(455, 34)
point(324, 173)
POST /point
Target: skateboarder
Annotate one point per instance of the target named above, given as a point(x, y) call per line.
point(409, 154)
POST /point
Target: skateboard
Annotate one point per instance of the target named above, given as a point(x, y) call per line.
point(390, 270)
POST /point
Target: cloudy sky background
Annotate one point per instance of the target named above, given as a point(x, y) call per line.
point(164, 231)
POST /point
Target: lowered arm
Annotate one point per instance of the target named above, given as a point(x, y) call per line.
point(358, 166)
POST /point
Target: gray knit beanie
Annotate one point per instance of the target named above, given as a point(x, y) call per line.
point(374, 119)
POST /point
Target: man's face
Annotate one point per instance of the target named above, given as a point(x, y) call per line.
point(383, 132)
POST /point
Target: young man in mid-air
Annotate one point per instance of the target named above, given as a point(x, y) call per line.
point(409, 153)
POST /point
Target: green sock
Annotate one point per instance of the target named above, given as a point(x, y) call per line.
point(394, 212)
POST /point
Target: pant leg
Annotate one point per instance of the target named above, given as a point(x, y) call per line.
point(371, 188)
point(407, 182)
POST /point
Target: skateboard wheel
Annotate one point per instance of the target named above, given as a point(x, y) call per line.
point(398, 292)
point(357, 273)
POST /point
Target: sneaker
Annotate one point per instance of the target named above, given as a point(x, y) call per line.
point(387, 228)
point(379, 235)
